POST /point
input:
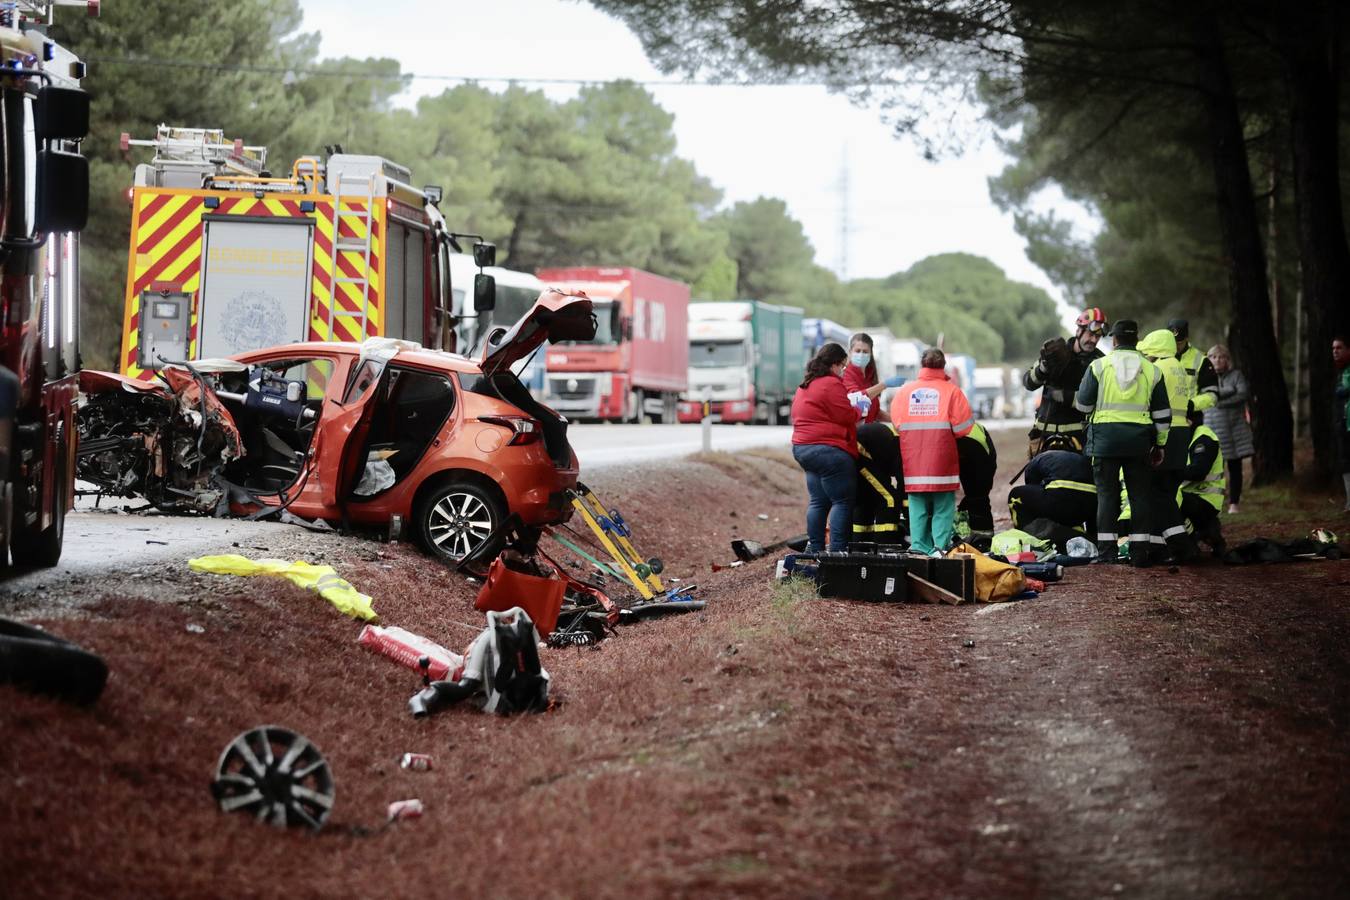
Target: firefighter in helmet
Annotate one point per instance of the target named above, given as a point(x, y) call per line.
point(1057, 374)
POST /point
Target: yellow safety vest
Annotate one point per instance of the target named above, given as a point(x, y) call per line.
point(1191, 361)
point(1125, 405)
point(1179, 390)
point(979, 436)
point(1211, 488)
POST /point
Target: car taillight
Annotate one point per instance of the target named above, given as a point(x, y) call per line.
point(524, 430)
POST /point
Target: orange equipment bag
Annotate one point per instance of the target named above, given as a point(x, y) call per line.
point(513, 580)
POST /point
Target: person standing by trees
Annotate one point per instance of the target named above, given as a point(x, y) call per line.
point(1340, 410)
point(929, 414)
point(1228, 419)
point(1058, 372)
point(1125, 404)
point(825, 443)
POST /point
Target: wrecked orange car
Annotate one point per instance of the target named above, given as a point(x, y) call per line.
point(372, 434)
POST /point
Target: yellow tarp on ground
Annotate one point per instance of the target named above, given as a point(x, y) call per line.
point(322, 579)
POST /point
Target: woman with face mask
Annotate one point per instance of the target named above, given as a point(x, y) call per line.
point(861, 377)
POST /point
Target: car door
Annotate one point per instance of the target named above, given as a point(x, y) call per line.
point(346, 428)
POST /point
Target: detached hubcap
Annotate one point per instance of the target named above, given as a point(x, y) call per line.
point(459, 524)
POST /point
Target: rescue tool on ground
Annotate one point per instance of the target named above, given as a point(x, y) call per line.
point(226, 257)
point(45, 183)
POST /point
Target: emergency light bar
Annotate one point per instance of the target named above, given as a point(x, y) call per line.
point(41, 10)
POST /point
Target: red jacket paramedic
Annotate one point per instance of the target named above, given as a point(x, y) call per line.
point(929, 414)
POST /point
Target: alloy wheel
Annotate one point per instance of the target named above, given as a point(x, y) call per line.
point(459, 523)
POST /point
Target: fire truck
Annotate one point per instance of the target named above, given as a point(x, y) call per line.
point(226, 257)
point(45, 183)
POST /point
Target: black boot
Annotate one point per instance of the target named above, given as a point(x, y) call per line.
point(1181, 550)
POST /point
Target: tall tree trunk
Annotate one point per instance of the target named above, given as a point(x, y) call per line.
point(1243, 254)
point(1309, 45)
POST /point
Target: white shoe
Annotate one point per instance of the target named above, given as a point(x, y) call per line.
point(1232, 509)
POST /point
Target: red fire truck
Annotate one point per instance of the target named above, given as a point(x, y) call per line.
point(226, 258)
point(45, 182)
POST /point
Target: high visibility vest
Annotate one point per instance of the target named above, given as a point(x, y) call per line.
point(1191, 361)
point(1126, 405)
point(1211, 488)
point(1179, 388)
point(979, 436)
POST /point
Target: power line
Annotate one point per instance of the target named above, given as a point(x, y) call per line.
point(295, 71)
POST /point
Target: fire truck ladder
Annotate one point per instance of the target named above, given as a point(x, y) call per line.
point(357, 245)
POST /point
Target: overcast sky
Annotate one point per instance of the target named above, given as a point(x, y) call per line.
point(786, 142)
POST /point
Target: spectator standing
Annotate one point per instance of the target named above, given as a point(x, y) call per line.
point(1228, 419)
point(1057, 374)
point(1128, 416)
point(929, 414)
point(825, 444)
point(1340, 410)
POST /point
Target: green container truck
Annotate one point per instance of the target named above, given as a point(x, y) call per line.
point(745, 361)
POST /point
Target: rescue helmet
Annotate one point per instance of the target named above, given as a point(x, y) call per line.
point(1093, 319)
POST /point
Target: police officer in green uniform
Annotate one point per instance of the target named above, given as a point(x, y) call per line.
point(1202, 380)
point(1201, 494)
point(1125, 404)
point(1169, 529)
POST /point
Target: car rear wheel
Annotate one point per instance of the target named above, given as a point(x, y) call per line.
point(458, 519)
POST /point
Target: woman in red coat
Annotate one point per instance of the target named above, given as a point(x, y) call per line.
point(825, 443)
point(860, 376)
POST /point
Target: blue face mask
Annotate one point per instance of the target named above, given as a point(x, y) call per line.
point(861, 359)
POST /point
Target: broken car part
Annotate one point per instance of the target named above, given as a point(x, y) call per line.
point(275, 775)
point(502, 668)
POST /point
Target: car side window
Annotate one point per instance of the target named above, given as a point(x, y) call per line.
point(315, 374)
point(363, 378)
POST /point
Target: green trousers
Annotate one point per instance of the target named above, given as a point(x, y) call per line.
point(932, 515)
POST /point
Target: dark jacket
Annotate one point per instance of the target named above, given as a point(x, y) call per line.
point(1059, 465)
point(1058, 386)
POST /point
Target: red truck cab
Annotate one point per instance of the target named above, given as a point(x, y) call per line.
point(638, 364)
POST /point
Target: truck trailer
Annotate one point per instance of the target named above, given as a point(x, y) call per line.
point(745, 361)
point(637, 366)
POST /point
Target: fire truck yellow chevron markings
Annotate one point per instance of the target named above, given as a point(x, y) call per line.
point(148, 227)
point(276, 208)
